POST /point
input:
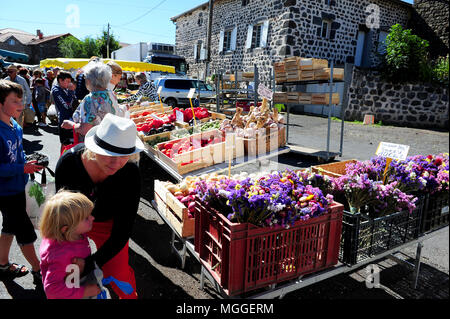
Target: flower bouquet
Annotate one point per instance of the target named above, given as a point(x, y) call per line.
point(279, 198)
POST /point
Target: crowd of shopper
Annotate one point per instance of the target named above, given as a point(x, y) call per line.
point(90, 201)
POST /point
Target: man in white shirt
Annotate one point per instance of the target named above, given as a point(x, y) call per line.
point(12, 76)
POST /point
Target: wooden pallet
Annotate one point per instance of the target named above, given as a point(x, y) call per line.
point(175, 211)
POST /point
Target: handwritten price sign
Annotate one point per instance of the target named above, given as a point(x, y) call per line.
point(191, 93)
point(265, 92)
point(391, 150)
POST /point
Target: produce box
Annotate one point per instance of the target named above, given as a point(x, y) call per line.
point(201, 157)
point(154, 140)
point(325, 74)
point(364, 237)
point(332, 169)
point(435, 212)
point(244, 257)
point(175, 211)
point(262, 144)
point(324, 98)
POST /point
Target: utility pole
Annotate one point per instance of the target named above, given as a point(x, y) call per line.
point(107, 44)
point(208, 35)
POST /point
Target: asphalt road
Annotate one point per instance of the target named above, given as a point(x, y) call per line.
point(157, 269)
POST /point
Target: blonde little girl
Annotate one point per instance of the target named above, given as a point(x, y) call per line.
point(65, 221)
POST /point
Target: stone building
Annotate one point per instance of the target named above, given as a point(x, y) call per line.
point(430, 21)
point(259, 32)
point(37, 47)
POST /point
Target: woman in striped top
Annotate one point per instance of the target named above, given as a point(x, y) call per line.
point(146, 89)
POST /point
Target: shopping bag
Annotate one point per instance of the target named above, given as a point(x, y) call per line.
point(65, 148)
point(52, 115)
point(28, 115)
point(37, 193)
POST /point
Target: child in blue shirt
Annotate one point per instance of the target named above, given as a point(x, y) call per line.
point(14, 172)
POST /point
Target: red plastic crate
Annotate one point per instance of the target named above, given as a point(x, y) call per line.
point(244, 257)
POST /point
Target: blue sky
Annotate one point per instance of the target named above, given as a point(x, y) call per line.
point(131, 21)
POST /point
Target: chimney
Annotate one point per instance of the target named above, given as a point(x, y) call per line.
point(39, 34)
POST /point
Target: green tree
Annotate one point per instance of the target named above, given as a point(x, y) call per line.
point(71, 47)
point(406, 56)
point(91, 48)
point(113, 43)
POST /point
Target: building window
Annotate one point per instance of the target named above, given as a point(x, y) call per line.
point(200, 19)
point(245, 2)
point(227, 40)
point(256, 37)
point(326, 29)
point(12, 42)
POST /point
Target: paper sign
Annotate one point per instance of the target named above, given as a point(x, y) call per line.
point(191, 93)
point(155, 117)
point(180, 116)
point(391, 150)
point(265, 92)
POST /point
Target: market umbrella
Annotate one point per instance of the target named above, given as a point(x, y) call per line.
point(133, 66)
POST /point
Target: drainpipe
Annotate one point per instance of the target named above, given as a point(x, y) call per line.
point(208, 38)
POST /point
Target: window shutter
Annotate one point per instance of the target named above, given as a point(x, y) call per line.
point(195, 52)
point(264, 33)
point(233, 39)
point(202, 52)
point(222, 34)
point(248, 44)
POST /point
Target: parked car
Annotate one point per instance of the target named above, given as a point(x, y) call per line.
point(175, 91)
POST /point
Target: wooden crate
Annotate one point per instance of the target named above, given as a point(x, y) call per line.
point(279, 67)
point(332, 169)
point(175, 211)
point(197, 158)
point(312, 64)
point(280, 77)
point(266, 143)
point(280, 97)
point(325, 74)
point(292, 97)
point(304, 98)
point(149, 138)
point(306, 75)
point(324, 98)
point(155, 107)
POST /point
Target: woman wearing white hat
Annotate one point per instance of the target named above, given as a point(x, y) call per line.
point(99, 169)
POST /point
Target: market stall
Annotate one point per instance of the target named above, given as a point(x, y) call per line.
point(133, 66)
point(263, 234)
point(252, 259)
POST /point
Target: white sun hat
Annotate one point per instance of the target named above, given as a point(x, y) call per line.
point(114, 136)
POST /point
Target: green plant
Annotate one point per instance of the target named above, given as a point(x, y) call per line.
point(405, 59)
point(441, 70)
point(280, 107)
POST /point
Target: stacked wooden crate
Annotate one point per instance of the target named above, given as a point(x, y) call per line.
point(280, 97)
point(280, 72)
point(293, 69)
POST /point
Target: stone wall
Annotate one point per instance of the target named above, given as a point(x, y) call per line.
point(294, 29)
point(413, 105)
point(430, 21)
